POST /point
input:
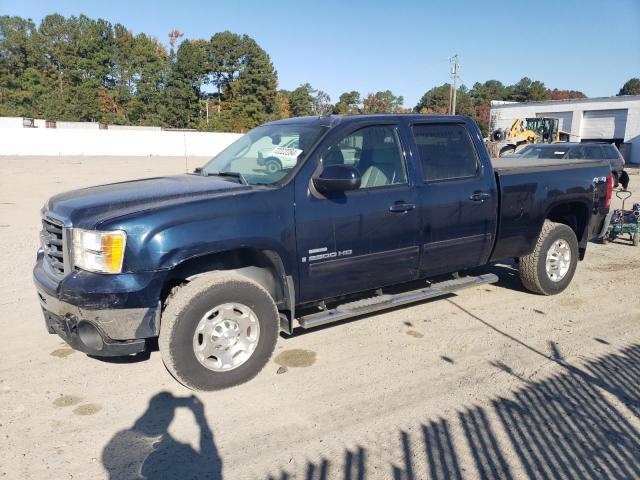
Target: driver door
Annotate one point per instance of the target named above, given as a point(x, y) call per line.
point(359, 239)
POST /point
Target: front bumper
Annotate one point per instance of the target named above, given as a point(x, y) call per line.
point(68, 328)
point(99, 321)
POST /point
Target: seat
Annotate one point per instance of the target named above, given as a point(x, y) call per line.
point(385, 168)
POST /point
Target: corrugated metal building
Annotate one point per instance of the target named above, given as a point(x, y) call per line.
point(610, 119)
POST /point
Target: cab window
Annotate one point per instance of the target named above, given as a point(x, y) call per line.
point(446, 152)
point(375, 152)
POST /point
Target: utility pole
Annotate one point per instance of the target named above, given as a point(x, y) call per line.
point(455, 67)
point(207, 110)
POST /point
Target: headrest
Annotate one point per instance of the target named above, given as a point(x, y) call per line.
point(385, 155)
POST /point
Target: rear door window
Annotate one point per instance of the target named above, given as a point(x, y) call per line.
point(446, 151)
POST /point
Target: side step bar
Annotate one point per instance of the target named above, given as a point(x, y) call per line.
point(382, 302)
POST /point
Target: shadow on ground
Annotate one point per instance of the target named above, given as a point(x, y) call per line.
point(571, 425)
point(563, 427)
point(147, 450)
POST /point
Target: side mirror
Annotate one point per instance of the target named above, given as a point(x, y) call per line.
point(337, 178)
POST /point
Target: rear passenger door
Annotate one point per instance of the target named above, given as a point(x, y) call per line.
point(458, 199)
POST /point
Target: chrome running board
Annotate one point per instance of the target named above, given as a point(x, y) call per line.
point(383, 302)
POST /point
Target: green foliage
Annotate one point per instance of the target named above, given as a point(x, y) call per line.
point(382, 102)
point(77, 68)
point(301, 101)
point(476, 102)
point(348, 103)
point(631, 87)
point(435, 100)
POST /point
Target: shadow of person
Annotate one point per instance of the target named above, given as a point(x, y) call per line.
point(147, 450)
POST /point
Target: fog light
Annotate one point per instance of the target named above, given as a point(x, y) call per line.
point(90, 336)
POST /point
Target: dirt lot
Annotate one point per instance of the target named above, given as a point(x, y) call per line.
point(490, 383)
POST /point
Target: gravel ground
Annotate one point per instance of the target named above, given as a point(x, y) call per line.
point(493, 382)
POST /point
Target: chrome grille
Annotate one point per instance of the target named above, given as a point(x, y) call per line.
point(53, 243)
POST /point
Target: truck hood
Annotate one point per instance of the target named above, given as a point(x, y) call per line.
point(87, 207)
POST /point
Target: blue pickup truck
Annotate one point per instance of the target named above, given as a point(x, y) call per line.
point(368, 213)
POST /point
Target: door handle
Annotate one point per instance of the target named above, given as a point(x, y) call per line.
point(479, 196)
point(401, 207)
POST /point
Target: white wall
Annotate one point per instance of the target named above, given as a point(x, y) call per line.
point(53, 141)
point(504, 115)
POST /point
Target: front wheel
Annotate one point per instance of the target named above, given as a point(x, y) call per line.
point(548, 270)
point(218, 331)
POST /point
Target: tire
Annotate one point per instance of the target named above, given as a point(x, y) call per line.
point(533, 267)
point(636, 239)
point(272, 165)
point(193, 304)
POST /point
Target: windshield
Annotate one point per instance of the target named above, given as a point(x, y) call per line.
point(265, 155)
point(533, 151)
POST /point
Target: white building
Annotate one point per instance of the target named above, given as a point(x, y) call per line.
point(610, 119)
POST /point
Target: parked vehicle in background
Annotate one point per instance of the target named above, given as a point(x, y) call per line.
point(580, 151)
point(376, 209)
point(525, 131)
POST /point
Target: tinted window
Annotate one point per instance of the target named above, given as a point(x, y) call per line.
point(375, 152)
point(610, 152)
point(445, 151)
point(576, 153)
point(593, 152)
point(543, 152)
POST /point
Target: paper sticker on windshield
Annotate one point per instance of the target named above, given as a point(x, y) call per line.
point(286, 152)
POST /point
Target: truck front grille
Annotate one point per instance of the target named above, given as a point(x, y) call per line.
point(53, 244)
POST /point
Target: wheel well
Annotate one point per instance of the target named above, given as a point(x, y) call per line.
point(262, 266)
point(273, 159)
point(575, 215)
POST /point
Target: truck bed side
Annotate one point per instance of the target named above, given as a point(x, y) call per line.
point(571, 192)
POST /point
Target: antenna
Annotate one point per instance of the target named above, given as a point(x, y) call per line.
point(454, 62)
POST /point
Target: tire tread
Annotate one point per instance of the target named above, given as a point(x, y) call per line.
point(182, 296)
point(529, 263)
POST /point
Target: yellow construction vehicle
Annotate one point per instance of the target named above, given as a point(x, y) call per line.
point(525, 131)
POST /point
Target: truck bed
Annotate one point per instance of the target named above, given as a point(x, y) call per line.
point(530, 189)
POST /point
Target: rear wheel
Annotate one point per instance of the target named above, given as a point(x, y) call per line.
point(549, 269)
point(218, 331)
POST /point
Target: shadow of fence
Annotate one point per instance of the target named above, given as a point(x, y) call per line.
point(572, 425)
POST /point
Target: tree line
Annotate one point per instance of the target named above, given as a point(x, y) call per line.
point(82, 69)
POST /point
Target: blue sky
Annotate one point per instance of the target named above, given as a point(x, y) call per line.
point(592, 46)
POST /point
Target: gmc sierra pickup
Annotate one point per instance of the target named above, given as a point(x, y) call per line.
point(354, 214)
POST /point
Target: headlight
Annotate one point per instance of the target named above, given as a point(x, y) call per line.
point(97, 251)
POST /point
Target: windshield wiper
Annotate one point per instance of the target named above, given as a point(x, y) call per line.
point(236, 175)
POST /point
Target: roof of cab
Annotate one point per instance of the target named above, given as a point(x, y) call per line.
point(334, 120)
